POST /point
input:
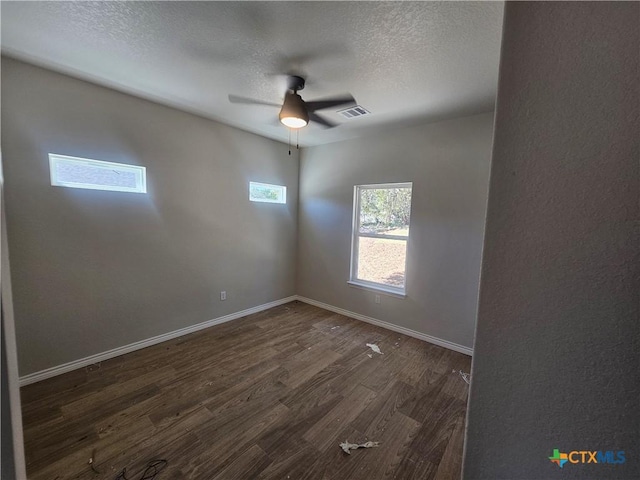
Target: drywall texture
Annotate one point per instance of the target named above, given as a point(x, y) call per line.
point(94, 270)
point(556, 352)
point(448, 163)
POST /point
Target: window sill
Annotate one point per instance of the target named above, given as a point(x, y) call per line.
point(377, 288)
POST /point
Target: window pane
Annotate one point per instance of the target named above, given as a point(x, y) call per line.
point(382, 260)
point(264, 192)
point(385, 211)
point(92, 174)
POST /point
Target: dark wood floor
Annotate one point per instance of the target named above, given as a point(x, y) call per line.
point(269, 396)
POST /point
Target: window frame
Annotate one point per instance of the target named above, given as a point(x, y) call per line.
point(283, 189)
point(139, 171)
point(356, 235)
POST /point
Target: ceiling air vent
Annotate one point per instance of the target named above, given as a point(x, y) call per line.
point(353, 112)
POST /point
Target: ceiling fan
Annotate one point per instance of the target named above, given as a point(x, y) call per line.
point(295, 112)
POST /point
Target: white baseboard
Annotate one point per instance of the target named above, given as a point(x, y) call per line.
point(132, 347)
point(389, 326)
point(100, 357)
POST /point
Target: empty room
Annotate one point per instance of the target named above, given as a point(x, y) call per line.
point(319, 240)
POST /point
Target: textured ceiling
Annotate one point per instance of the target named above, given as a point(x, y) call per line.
point(406, 62)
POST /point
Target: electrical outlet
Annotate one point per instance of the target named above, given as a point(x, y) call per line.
point(377, 298)
point(223, 295)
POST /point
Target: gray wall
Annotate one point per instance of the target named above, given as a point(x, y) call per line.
point(558, 337)
point(95, 270)
point(448, 163)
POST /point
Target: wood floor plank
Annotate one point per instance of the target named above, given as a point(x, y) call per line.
point(427, 400)
point(291, 458)
point(246, 466)
point(306, 364)
point(269, 397)
point(121, 392)
point(450, 465)
point(380, 462)
point(455, 386)
point(229, 443)
point(384, 369)
point(433, 438)
point(384, 407)
point(75, 460)
point(333, 459)
point(300, 418)
point(179, 450)
point(337, 379)
point(324, 432)
point(410, 469)
point(261, 396)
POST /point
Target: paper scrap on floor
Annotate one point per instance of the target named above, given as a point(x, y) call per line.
point(375, 348)
point(347, 447)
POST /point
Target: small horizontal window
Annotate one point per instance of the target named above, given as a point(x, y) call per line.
point(263, 192)
point(77, 172)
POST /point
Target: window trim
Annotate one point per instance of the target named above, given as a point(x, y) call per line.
point(355, 235)
point(283, 188)
point(139, 171)
point(378, 287)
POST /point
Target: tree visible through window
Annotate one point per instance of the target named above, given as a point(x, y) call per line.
point(381, 230)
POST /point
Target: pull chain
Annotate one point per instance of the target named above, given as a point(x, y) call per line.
point(297, 135)
point(289, 141)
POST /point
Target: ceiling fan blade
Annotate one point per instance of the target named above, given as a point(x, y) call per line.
point(314, 117)
point(331, 103)
point(251, 101)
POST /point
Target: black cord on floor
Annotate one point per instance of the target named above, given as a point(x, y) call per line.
point(154, 467)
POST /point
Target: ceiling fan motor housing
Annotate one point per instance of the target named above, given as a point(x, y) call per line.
point(295, 83)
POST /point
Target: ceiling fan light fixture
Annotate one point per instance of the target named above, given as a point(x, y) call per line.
point(294, 112)
point(293, 122)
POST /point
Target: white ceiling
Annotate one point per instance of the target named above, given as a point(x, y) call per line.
point(406, 62)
